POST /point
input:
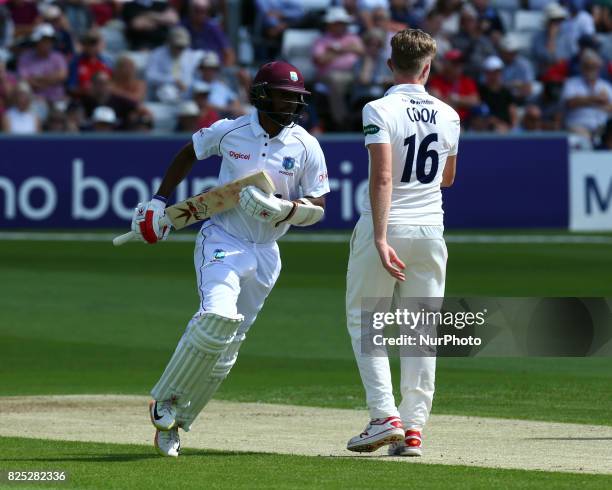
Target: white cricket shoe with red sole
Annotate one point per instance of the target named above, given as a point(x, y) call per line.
point(410, 446)
point(168, 443)
point(378, 433)
point(163, 414)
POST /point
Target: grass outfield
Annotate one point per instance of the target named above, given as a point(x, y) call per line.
point(90, 318)
point(108, 466)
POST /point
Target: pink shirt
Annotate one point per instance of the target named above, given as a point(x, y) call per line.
point(30, 64)
point(344, 62)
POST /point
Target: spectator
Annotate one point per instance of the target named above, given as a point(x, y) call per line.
point(103, 119)
point(221, 98)
point(125, 82)
point(75, 116)
point(480, 118)
point(79, 16)
point(588, 98)
point(381, 20)
point(472, 43)
point(63, 42)
point(188, 117)
point(172, 65)
point(433, 26)
point(579, 23)
point(335, 55)
point(7, 84)
point(208, 116)
point(532, 120)
point(7, 30)
point(449, 11)
point(90, 61)
point(56, 121)
point(147, 22)
point(273, 17)
point(206, 34)
point(366, 9)
point(491, 24)
point(411, 13)
point(606, 138)
point(20, 118)
point(125, 110)
point(602, 15)
point(43, 68)
point(551, 106)
point(497, 97)
point(551, 49)
point(518, 74)
point(454, 87)
point(24, 14)
point(586, 42)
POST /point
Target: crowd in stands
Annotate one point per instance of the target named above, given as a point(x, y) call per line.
point(506, 66)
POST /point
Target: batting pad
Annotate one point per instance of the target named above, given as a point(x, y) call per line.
point(207, 387)
point(205, 339)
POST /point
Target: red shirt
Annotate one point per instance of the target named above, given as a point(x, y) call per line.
point(464, 86)
point(82, 68)
point(208, 119)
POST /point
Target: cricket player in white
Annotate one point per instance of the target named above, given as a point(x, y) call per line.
point(236, 256)
point(398, 246)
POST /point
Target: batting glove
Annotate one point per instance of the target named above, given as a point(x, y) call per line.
point(264, 207)
point(149, 221)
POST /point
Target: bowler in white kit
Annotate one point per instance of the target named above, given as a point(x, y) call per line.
point(398, 247)
point(236, 256)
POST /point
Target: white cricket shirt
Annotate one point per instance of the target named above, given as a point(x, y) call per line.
point(422, 131)
point(293, 159)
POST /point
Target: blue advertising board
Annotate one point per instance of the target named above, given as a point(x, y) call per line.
point(94, 182)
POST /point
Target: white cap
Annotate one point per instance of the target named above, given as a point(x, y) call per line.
point(337, 14)
point(201, 87)
point(188, 108)
point(50, 11)
point(555, 11)
point(493, 63)
point(210, 60)
point(104, 114)
point(42, 31)
point(510, 43)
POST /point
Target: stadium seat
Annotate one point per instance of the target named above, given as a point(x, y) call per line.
point(506, 4)
point(524, 39)
point(297, 49)
point(164, 116)
point(528, 20)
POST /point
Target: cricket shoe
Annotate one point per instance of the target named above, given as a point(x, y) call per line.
point(168, 443)
point(378, 433)
point(163, 414)
point(411, 446)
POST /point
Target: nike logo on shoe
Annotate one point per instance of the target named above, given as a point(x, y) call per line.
point(155, 414)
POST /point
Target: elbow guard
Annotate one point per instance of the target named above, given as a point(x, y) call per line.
point(304, 213)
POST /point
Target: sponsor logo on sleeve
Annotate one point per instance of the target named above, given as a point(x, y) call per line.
point(371, 129)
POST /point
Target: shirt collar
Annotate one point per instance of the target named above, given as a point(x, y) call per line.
point(406, 88)
point(259, 131)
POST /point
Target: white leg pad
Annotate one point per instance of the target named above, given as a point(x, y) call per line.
point(208, 386)
point(203, 343)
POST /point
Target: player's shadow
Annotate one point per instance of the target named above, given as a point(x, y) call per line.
point(126, 457)
point(568, 438)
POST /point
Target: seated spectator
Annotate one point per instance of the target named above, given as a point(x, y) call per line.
point(7, 29)
point(64, 43)
point(367, 9)
point(221, 98)
point(587, 98)
point(208, 116)
point(43, 68)
point(411, 13)
point(125, 110)
point(586, 42)
point(453, 87)
point(80, 18)
point(103, 119)
point(433, 26)
point(497, 97)
point(206, 34)
point(187, 117)
point(480, 118)
point(550, 104)
point(56, 120)
point(20, 118)
point(125, 81)
point(381, 20)
point(90, 61)
point(449, 10)
point(518, 74)
point(7, 83)
point(532, 120)
point(335, 55)
point(24, 14)
point(606, 138)
point(551, 49)
point(273, 18)
point(148, 22)
point(491, 24)
point(602, 15)
point(471, 41)
point(172, 65)
point(579, 23)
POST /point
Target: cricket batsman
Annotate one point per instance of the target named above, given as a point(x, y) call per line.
point(398, 247)
point(236, 255)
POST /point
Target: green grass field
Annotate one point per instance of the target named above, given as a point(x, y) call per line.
point(90, 318)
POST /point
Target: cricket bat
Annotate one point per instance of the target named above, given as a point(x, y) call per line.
point(207, 204)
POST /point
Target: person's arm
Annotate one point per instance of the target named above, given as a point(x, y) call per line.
point(450, 170)
point(381, 185)
point(179, 168)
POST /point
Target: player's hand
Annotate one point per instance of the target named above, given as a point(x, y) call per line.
point(264, 207)
point(390, 261)
point(149, 221)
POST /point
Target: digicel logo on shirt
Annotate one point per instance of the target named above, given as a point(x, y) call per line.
point(240, 156)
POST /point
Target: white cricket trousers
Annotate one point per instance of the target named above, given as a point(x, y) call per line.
point(423, 250)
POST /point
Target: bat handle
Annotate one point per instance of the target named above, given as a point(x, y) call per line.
point(121, 239)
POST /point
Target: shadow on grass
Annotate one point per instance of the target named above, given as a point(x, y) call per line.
point(569, 439)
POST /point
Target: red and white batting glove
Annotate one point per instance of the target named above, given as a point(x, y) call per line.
point(149, 221)
point(264, 207)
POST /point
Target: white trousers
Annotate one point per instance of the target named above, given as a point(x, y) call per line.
point(423, 250)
